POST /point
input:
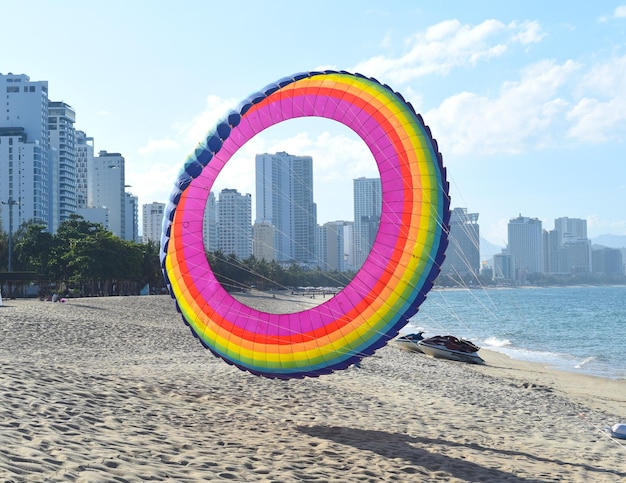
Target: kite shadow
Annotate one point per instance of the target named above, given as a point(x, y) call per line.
point(410, 448)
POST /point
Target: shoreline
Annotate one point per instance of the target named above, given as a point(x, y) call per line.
point(286, 302)
point(117, 389)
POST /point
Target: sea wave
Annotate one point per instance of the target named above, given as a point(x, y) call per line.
point(584, 362)
point(495, 342)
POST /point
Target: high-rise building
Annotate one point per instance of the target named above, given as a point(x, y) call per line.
point(525, 244)
point(320, 247)
point(608, 261)
point(503, 267)
point(367, 211)
point(84, 160)
point(235, 223)
point(61, 118)
point(284, 198)
point(566, 248)
point(210, 234)
point(263, 235)
point(571, 228)
point(152, 221)
point(575, 257)
point(463, 252)
point(107, 180)
point(339, 244)
point(24, 151)
point(45, 165)
point(131, 217)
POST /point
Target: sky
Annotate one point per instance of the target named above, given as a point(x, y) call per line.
point(527, 100)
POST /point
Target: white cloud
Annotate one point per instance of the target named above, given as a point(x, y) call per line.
point(517, 118)
point(600, 114)
point(606, 79)
point(216, 108)
point(153, 176)
point(387, 41)
point(596, 121)
point(448, 45)
point(152, 181)
point(620, 12)
point(530, 33)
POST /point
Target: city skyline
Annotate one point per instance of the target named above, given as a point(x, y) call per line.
point(525, 100)
point(287, 201)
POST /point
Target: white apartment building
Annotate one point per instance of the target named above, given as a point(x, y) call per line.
point(235, 223)
point(61, 118)
point(339, 243)
point(84, 151)
point(45, 165)
point(25, 183)
point(107, 180)
point(263, 235)
point(525, 244)
point(152, 221)
point(284, 198)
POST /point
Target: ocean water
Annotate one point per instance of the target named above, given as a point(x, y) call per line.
point(578, 329)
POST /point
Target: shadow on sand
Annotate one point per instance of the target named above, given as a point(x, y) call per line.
point(396, 445)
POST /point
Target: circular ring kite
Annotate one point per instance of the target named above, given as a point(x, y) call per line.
point(402, 265)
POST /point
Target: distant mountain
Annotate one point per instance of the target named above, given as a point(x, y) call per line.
point(610, 241)
point(488, 250)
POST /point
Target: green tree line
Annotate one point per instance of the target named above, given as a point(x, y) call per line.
point(235, 274)
point(82, 258)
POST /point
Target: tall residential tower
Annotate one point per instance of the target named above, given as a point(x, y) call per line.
point(284, 199)
point(525, 244)
point(24, 151)
point(61, 118)
point(107, 180)
point(235, 223)
point(463, 252)
point(367, 210)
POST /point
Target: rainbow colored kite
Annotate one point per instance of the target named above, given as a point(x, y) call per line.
point(392, 283)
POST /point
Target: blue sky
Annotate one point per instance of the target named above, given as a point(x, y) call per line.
point(527, 100)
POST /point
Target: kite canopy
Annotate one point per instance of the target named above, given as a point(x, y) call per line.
point(404, 260)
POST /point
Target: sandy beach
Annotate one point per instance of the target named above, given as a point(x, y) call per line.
point(117, 390)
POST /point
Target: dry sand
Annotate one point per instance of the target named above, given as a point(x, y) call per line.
point(117, 389)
